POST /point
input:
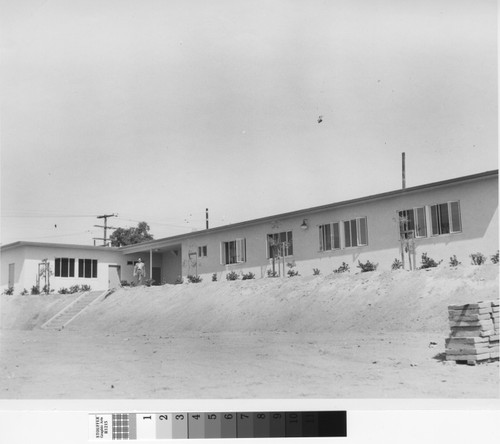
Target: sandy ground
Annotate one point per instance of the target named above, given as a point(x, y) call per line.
point(340, 336)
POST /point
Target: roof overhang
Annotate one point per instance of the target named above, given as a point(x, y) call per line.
point(21, 244)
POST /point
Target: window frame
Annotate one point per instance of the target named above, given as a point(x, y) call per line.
point(416, 224)
point(332, 237)
point(64, 267)
point(83, 266)
point(349, 235)
point(435, 218)
point(238, 253)
point(288, 235)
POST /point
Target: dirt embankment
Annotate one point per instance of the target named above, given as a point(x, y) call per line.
point(376, 301)
point(31, 311)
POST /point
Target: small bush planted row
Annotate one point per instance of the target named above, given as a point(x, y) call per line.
point(232, 276)
point(291, 272)
point(342, 269)
point(397, 264)
point(367, 266)
point(194, 279)
point(246, 276)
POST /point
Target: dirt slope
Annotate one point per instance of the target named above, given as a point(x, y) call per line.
point(376, 301)
point(372, 335)
point(31, 311)
point(385, 301)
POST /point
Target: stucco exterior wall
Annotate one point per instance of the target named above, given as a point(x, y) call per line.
point(479, 217)
point(27, 259)
point(15, 257)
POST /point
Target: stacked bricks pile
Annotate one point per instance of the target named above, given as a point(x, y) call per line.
point(474, 333)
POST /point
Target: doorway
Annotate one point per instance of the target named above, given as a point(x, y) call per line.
point(11, 275)
point(156, 275)
point(114, 277)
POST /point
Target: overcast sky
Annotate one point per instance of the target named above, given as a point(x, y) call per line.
point(156, 110)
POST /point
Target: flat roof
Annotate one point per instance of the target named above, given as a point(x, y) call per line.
point(55, 245)
point(174, 239)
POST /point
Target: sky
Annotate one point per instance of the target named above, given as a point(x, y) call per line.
point(157, 109)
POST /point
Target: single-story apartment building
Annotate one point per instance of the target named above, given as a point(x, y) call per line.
point(451, 217)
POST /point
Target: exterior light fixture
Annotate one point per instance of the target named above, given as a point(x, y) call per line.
point(304, 225)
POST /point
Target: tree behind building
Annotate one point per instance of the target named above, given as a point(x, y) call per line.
point(130, 236)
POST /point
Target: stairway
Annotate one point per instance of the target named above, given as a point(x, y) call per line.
point(71, 311)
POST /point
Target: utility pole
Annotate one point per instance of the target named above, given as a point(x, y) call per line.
point(105, 226)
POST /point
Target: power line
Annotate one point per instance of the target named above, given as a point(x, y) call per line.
point(59, 235)
point(47, 215)
point(156, 223)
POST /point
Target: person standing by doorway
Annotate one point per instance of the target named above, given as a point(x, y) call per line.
point(140, 271)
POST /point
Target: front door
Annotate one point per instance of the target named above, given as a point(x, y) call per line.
point(114, 276)
point(156, 275)
point(11, 275)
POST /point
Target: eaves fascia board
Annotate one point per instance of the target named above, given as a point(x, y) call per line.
point(20, 244)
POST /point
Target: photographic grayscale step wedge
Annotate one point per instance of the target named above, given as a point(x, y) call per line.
point(73, 310)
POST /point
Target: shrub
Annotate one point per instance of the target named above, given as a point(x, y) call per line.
point(9, 291)
point(74, 289)
point(368, 266)
point(495, 258)
point(63, 290)
point(342, 269)
point(397, 264)
point(272, 274)
point(428, 262)
point(316, 272)
point(454, 262)
point(24, 292)
point(149, 282)
point(179, 280)
point(194, 279)
point(246, 276)
point(291, 272)
point(124, 283)
point(85, 288)
point(214, 277)
point(233, 276)
point(46, 289)
point(478, 258)
point(35, 290)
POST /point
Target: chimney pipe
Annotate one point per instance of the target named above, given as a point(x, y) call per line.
point(206, 217)
point(403, 170)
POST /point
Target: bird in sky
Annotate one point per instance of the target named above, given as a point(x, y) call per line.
point(320, 119)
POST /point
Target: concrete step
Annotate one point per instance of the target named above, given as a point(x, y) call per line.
point(71, 311)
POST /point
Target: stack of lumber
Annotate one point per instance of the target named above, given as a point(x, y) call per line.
point(474, 333)
point(494, 339)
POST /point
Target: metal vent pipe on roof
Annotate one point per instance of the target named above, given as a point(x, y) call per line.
point(403, 170)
